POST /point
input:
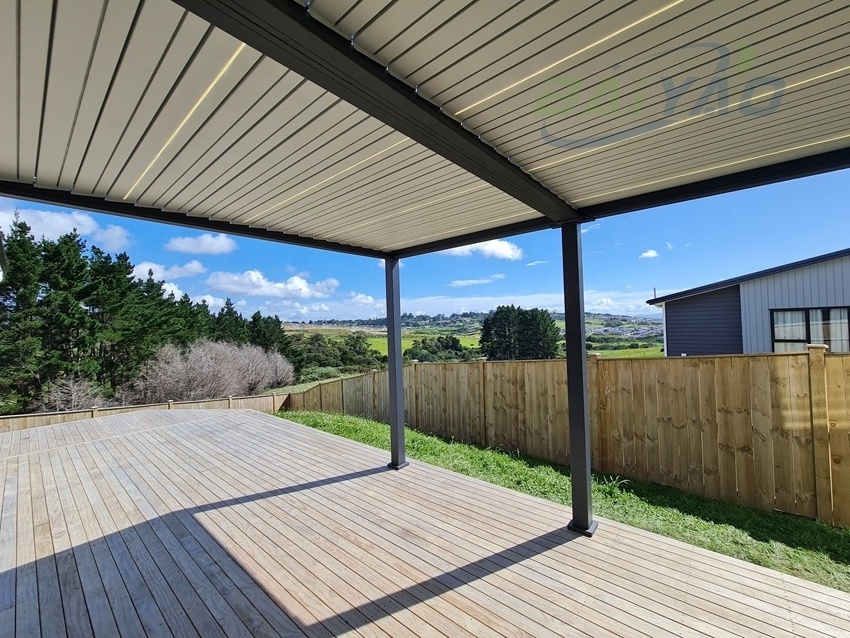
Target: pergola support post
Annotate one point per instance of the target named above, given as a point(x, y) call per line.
point(394, 360)
point(579, 419)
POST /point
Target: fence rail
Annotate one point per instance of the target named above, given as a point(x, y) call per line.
point(769, 431)
point(270, 403)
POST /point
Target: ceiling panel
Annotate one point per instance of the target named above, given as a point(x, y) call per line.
point(148, 105)
point(9, 99)
point(599, 100)
point(145, 104)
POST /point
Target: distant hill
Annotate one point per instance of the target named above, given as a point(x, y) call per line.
point(472, 321)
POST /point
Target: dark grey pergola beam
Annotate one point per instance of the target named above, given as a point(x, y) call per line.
point(519, 228)
point(579, 413)
point(762, 176)
point(32, 193)
point(395, 364)
point(284, 31)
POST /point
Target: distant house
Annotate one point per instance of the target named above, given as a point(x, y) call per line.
point(776, 310)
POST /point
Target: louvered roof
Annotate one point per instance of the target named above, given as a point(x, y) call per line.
point(494, 116)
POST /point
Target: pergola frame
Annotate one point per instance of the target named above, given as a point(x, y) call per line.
point(285, 32)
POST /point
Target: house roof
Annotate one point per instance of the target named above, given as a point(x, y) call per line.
point(397, 127)
point(755, 275)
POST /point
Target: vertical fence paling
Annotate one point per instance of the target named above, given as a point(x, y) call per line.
point(838, 402)
point(770, 431)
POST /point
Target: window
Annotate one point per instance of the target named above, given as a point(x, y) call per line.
point(793, 329)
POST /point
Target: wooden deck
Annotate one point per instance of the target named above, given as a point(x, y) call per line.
point(209, 523)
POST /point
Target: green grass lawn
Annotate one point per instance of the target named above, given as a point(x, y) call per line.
point(652, 352)
point(380, 343)
point(801, 547)
point(407, 339)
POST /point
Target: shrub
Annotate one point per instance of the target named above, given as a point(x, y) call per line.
point(209, 370)
point(70, 393)
point(318, 373)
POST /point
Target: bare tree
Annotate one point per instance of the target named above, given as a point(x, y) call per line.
point(208, 370)
point(70, 393)
point(283, 372)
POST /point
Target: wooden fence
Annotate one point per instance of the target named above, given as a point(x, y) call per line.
point(270, 403)
point(769, 431)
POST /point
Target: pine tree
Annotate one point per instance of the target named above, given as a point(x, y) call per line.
point(114, 302)
point(229, 324)
point(21, 349)
point(513, 333)
point(537, 336)
point(499, 334)
point(202, 325)
point(65, 332)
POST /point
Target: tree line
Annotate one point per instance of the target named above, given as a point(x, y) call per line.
point(69, 313)
point(72, 313)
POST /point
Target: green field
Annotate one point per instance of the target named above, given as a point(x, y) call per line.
point(407, 339)
point(651, 352)
point(380, 343)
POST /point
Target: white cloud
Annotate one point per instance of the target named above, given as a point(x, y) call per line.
point(447, 305)
point(206, 244)
point(669, 245)
point(649, 254)
point(253, 283)
point(213, 302)
point(170, 288)
point(189, 269)
point(112, 238)
point(52, 225)
point(241, 303)
point(359, 299)
point(613, 301)
point(497, 276)
point(296, 308)
point(461, 283)
point(539, 262)
point(625, 302)
point(588, 228)
point(495, 248)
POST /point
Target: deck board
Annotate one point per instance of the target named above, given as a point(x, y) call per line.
point(235, 523)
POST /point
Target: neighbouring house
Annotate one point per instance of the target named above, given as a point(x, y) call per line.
point(776, 310)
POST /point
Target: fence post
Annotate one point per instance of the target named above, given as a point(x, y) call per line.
point(482, 383)
point(94, 411)
point(171, 404)
point(229, 402)
point(820, 431)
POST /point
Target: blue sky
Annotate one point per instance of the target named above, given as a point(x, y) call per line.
point(669, 248)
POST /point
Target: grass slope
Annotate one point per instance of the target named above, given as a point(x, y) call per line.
point(801, 547)
point(652, 352)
